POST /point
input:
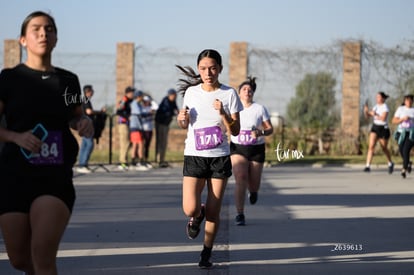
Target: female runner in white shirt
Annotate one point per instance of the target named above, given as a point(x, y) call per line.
point(210, 110)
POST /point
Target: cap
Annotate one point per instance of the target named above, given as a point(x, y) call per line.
point(129, 89)
point(171, 92)
point(146, 98)
point(138, 93)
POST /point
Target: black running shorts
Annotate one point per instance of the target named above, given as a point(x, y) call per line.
point(381, 131)
point(18, 193)
point(207, 167)
point(250, 152)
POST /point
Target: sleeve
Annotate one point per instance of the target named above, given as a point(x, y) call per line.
point(266, 115)
point(235, 102)
point(398, 112)
point(3, 86)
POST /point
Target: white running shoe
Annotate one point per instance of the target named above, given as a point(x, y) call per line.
point(141, 167)
point(83, 170)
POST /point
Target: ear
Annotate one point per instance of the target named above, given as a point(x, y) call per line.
point(22, 41)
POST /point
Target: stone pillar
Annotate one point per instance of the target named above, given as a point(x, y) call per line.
point(125, 63)
point(12, 53)
point(351, 88)
point(238, 63)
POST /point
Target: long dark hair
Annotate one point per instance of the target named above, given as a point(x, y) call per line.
point(33, 15)
point(193, 78)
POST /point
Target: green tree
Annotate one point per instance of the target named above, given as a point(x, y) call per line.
point(313, 109)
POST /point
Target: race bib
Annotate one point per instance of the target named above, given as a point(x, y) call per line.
point(245, 138)
point(51, 151)
point(406, 124)
point(208, 138)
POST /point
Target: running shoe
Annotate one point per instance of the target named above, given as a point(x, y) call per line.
point(123, 167)
point(403, 173)
point(141, 167)
point(409, 167)
point(193, 225)
point(391, 168)
point(367, 169)
point(205, 264)
point(205, 258)
point(83, 170)
point(240, 219)
point(253, 197)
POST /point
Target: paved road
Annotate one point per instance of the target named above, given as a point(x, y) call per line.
point(329, 220)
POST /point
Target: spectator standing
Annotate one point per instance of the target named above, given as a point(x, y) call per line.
point(147, 125)
point(123, 112)
point(167, 109)
point(87, 143)
point(137, 132)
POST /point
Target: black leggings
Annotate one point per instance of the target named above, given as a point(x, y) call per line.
point(405, 148)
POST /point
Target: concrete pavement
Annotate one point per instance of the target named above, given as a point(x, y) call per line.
point(308, 220)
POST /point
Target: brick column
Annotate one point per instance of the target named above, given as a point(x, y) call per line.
point(351, 88)
point(238, 63)
point(12, 53)
point(125, 63)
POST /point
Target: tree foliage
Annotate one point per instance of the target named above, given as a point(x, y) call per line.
point(313, 106)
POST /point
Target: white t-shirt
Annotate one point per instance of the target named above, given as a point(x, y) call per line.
point(206, 129)
point(251, 117)
point(403, 111)
point(378, 111)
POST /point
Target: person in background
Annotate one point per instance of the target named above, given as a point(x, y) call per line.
point(147, 126)
point(210, 111)
point(87, 143)
point(167, 109)
point(37, 193)
point(379, 130)
point(248, 148)
point(123, 112)
point(404, 117)
point(137, 132)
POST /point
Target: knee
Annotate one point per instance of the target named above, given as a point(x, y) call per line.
point(189, 211)
point(21, 263)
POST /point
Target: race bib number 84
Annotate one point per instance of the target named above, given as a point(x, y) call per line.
point(51, 152)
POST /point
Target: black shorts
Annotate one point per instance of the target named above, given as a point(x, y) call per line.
point(250, 152)
point(17, 193)
point(382, 131)
point(206, 167)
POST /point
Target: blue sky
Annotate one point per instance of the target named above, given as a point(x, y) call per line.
point(96, 26)
point(92, 28)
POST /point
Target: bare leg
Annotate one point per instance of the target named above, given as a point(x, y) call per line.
point(241, 174)
point(216, 188)
point(16, 233)
point(371, 147)
point(49, 217)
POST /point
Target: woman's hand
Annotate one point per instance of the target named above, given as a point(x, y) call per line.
point(28, 141)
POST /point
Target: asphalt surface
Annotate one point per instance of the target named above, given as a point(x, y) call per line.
point(308, 220)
